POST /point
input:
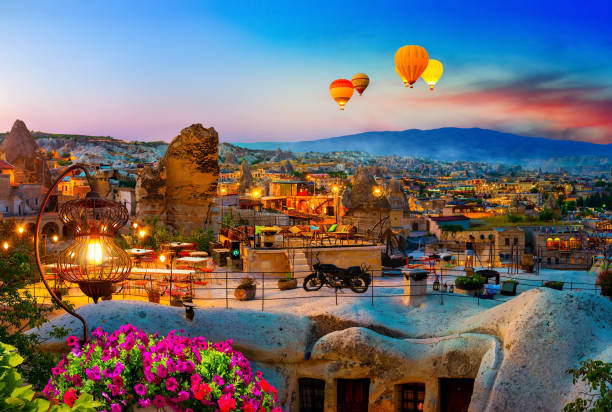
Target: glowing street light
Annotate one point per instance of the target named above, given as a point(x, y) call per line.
point(5, 246)
point(20, 230)
point(135, 225)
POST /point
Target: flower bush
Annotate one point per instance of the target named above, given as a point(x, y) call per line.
point(130, 368)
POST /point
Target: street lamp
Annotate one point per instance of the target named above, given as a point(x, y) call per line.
point(94, 261)
point(20, 230)
point(5, 246)
point(162, 259)
point(377, 192)
point(255, 194)
point(135, 225)
point(142, 234)
point(223, 191)
point(336, 189)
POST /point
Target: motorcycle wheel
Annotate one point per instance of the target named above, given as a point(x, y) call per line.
point(312, 283)
point(359, 284)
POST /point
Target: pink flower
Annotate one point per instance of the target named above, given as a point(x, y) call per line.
point(171, 384)
point(140, 389)
point(72, 341)
point(77, 380)
point(159, 401)
point(115, 407)
point(162, 372)
point(93, 373)
point(144, 402)
point(183, 396)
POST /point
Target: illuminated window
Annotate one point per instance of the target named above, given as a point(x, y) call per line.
point(557, 243)
point(573, 243)
point(550, 244)
point(412, 397)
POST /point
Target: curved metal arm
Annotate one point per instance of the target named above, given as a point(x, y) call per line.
point(36, 238)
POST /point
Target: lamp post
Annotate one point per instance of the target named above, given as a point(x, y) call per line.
point(142, 234)
point(223, 192)
point(93, 261)
point(336, 190)
point(377, 192)
point(162, 259)
point(255, 194)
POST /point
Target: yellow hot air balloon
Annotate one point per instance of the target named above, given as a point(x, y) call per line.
point(432, 73)
point(360, 82)
point(411, 62)
point(341, 91)
point(402, 77)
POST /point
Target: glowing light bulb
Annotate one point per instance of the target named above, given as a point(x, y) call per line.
point(162, 258)
point(135, 225)
point(55, 238)
point(94, 252)
point(5, 245)
point(20, 230)
point(142, 233)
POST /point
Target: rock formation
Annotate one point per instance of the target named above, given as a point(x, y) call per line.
point(516, 353)
point(552, 205)
point(397, 198)
point(20, 150)
point(288, 167)
point(180, 191)
point(150, 193)
point(246, 179)
point(231, 158)
point(192, 170)
point(362, 193)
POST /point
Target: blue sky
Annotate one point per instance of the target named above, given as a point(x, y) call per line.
point(261, 70)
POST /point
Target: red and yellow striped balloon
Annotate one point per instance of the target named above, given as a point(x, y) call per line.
point(341, 91)
point(360, 82)
point(411, 62)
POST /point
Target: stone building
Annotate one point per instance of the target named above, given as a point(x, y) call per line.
point(363, 209)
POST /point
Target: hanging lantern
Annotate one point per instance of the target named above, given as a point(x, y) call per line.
point(94, 261)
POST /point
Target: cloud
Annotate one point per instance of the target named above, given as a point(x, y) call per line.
point(548, 105)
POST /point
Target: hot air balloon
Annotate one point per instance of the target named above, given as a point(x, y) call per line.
point(432, 73)
point(402, 77)
point(341, 91)
point(360, 82)
point(411, 62)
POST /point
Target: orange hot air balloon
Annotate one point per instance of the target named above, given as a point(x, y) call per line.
point(402, 77)
point(360, 82)
point(411, 62)
point(341, 91)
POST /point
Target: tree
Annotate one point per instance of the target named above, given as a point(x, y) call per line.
point(20, 311)
point(598, 377)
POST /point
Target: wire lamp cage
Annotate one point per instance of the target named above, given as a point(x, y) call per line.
point(93, 261)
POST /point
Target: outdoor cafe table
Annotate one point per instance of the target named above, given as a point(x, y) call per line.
point(139, 252)
point(194, 260)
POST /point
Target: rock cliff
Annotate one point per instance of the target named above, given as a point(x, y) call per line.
point(20, 150)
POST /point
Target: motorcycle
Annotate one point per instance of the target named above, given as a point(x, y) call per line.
point(356, 278)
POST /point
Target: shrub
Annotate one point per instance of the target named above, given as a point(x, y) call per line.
point(604, 280)
point(512, 218)
point(546, 215)
point(131, 368)
point(554, 284)
point(247, 283)
point(598, 376)
point(202, 239)
point(470, 282)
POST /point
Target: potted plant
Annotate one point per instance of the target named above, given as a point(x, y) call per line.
point(288, 282)
point(153, 292)
point(61, 290)
point(176, 298)
point(604, 280)
point(469, 285)
point(554, 284)
point(246, 289)
point(508, 287)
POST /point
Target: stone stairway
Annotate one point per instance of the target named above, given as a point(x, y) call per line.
point(301, 268)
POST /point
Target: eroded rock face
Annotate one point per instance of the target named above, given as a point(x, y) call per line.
point(246, 179)
point(150, 193)
point(192, 170)
point(20, 150)
point(362, 193)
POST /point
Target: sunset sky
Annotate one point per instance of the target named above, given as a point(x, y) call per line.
point(261, 70)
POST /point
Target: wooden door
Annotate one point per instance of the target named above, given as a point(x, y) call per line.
point(353, 395)
point(455, 394)
point(312, 395)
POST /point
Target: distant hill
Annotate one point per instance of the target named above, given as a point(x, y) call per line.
point(452, 143)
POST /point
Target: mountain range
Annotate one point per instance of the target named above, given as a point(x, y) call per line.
point(451, 143)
